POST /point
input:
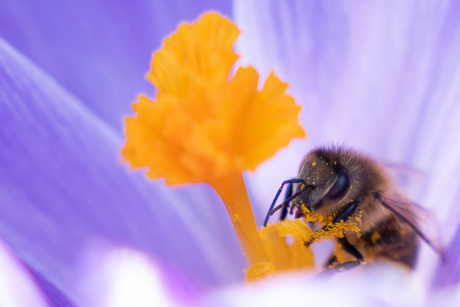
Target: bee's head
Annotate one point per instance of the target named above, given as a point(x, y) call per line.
point(328, 181)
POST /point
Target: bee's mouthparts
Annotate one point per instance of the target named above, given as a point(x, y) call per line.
point(299, 214)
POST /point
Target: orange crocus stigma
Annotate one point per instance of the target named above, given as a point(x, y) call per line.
point(209, 125)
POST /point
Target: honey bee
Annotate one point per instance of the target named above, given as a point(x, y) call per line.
point(343, 184)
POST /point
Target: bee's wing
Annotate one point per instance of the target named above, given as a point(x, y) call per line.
point(419, 219)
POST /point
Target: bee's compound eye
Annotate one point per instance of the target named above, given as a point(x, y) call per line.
point(340, 187)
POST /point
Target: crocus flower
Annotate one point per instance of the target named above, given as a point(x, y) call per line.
point(371, 75)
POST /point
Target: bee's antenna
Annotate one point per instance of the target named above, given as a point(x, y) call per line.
point(286, 210)
point(287, 200)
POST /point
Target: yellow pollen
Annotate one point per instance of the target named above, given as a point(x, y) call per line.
point(375, 236)
point(313, 164)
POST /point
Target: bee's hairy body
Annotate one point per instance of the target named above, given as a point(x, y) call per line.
point(344, 183)
point(391, 239)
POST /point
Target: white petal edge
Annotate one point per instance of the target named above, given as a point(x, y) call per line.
point(377, 285)
point(17, 287)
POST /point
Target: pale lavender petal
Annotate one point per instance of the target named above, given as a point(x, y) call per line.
point(380, 76)
point(126, 277)
point(448, 273)
point(17, 287)
point(118, 277)
point(98, 50)
point(449, 296)
point(379, 285)
point(62, 186)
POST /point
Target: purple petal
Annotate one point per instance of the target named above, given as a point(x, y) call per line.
point(381, 77)
point(98, 50)
point(62, 187)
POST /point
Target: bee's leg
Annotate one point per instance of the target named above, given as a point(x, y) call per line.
point(288, 194)
point(345, 214)
point(332, 261)
point(332, 267)
point(352, 251)
point(342, 216)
